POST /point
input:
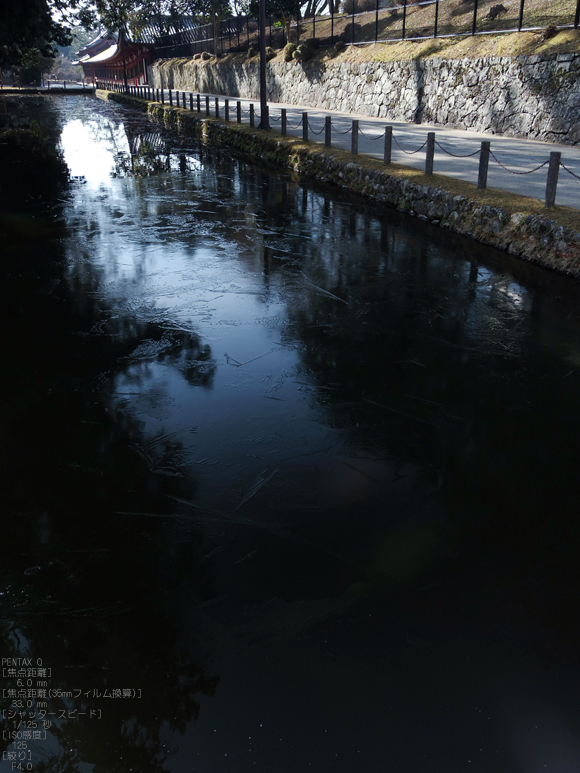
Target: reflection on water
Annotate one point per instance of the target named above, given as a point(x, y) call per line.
point(297, 469)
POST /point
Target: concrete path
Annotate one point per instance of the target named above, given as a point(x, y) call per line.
point(516, 154)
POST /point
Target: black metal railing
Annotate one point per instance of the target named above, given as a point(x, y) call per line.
point(367, 21)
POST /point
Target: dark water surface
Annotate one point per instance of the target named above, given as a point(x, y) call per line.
point(295, 475)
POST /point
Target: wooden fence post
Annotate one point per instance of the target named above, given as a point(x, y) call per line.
point(430, 153)
point(483, 164)
point(388, 145)
point(552, 181)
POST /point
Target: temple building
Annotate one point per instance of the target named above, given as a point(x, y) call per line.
point(108, 58)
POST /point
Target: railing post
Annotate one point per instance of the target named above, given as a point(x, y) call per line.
point(354, 139)
point(199, 103)
point(328, 129)
point(183, 100)
point(521, 16)
point(227, 109)
point(217, 107)
point(474, 23)
point(252, 118)
point(577, 15)
point(162, 97)
point(552, 181)
point(283, 119)
point(191, 103)
point(305, 127)
point(239, 111)
point(404, 19)
point(170, 98)
point(430, 153)
point(436, 18)
point(388, 145)
point(207, 110)
point(483, 164)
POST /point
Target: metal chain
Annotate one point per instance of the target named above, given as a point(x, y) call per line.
point(408, 152)
point(369, 136)
point(456, 155)
point(298, 125)
point(275, 119)
point(569, 171)
point(313, 130)
point(339, 132)
point(512, 171)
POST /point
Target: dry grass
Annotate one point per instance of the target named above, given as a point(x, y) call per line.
point(455, 16)
point(477, 47)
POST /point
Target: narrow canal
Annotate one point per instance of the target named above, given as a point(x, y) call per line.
point(289, 481)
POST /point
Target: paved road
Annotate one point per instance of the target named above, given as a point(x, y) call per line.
point(516, 154)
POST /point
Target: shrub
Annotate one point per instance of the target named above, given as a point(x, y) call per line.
point(205, 55)
point(351, 33)
point(313, 43)
point(550, 32)
point(303, 53)
point(360, 6)
point(339, 46)
point(270, 53)
point(289, 49)
point(252, 51)
point(496, 10)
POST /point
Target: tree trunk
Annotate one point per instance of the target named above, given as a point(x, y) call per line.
point(216, 33)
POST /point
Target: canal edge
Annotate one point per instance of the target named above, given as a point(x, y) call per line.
point(535, 236)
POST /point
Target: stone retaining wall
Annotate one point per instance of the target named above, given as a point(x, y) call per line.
point(535, 238)
point(521, 97)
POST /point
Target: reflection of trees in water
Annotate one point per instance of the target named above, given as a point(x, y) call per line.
point(437, 361)
point(87, 501)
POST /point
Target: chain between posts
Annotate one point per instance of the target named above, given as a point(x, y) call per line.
point(512, 171)
point(456, 155)
point(569, 171)
point(313, 131)
point(339, 132)
point(368, 136)
point(409, 152)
